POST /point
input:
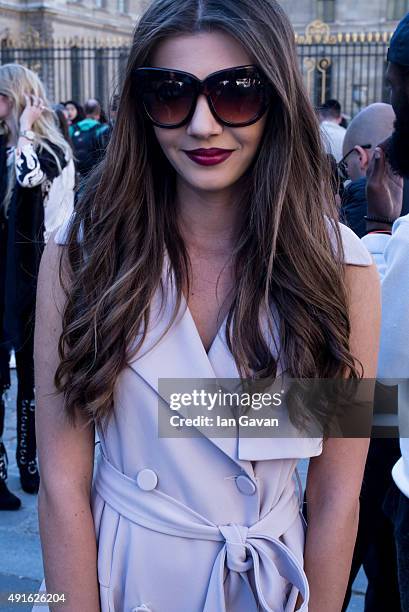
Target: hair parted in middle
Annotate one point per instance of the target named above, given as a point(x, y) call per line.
point(286, 265)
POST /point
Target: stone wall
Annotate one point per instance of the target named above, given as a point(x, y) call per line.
point(350, 15)
point(102, 18)
point(69, 18)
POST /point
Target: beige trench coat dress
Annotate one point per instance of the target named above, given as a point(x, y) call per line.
point(195, 524)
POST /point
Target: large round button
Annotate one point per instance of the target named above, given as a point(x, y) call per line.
point(245, 485)
point(147, 479)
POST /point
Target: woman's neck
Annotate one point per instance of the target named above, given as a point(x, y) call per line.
point(208, 220)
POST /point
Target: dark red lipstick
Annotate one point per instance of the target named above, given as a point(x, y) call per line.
point(209, 157)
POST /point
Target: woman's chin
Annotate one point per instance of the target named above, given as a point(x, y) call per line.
point(212, 181)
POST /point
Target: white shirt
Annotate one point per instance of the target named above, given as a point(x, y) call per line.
point(59, 200)
point(333, 138)
point(391, 254)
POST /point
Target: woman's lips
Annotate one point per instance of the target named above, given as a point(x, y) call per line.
point(209, 157)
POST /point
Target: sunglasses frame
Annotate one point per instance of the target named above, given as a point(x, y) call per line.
point(203, 87)
point(341, 165)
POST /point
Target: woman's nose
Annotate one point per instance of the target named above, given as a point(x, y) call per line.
point(203, 124)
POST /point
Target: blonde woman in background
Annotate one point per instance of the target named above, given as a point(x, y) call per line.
point(36, 195)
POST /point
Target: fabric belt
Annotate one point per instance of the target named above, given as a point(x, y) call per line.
point(255, 547)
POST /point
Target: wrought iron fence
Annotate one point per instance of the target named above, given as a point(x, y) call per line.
point(346, 66)
point(73, 70)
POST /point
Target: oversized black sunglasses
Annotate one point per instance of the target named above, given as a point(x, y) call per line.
point(237, 97)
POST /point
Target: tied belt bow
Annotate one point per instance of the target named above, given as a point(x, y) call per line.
point(257, 548)
point(236, 547)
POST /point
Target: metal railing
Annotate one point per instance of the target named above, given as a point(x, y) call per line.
point(346, 66)
point(73, 70)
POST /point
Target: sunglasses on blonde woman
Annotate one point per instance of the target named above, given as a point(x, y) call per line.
point(237, 97)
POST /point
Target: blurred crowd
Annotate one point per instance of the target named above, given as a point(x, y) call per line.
point(88, 129)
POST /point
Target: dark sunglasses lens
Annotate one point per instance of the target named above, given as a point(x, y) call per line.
point(238, 99)
point(167, 99)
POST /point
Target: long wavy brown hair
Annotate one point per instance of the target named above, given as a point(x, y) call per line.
point(285, 262)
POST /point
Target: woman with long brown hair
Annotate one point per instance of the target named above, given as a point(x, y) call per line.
point(204, 246)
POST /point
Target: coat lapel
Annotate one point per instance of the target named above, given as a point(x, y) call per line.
point(180, 354)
